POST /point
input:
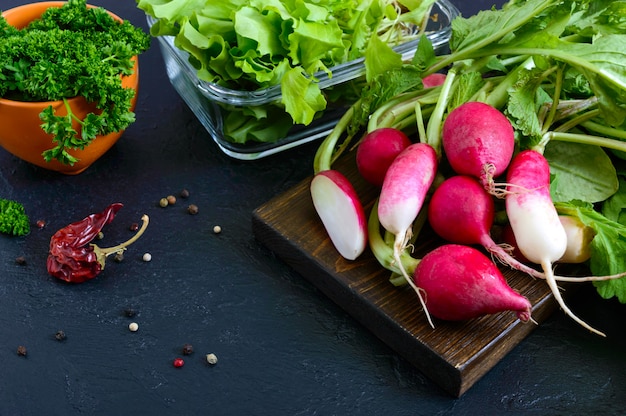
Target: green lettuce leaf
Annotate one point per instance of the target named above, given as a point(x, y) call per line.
point(247, 45)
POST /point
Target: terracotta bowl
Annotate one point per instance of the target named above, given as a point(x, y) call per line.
point(20, 125)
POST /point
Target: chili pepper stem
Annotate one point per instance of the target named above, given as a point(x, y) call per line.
point(103, 253)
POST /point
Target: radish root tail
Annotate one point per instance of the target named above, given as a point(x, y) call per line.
point(547, 269)
point(486, 178)
point(502, 254)
point(502, 189)
point(398, 247)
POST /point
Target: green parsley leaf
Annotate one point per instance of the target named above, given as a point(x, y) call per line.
point(71, 51)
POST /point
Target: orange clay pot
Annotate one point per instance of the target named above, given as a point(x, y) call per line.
point(20, 125)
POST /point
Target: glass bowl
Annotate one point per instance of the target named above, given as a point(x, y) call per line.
point(208, 100)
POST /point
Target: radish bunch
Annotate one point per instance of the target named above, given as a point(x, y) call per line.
point(455, 281)
point(489, 162)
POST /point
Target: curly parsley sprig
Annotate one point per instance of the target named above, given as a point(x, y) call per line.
point(72, 51)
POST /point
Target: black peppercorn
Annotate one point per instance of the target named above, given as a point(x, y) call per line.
point(187, 349)
point(21, 350)
point(60, 335)
point(192, 209)
point(21, 260)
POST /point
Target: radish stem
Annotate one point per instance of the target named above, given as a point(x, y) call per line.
point(326, 153)
point(384, 253)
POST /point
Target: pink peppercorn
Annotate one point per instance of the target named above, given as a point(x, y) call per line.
point(178, 362)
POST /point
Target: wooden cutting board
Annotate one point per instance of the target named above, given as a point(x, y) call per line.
point(454, 355)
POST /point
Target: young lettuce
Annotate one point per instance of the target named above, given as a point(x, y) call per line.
point(252, 45)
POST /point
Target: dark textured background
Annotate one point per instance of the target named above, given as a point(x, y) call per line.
point(283, 348)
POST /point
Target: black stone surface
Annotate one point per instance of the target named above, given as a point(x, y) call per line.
point(283, 348)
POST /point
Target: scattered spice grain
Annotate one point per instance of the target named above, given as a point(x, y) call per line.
point(133, 326)
point(119, 256)
point(192, 209)
point(163, 202)
point(184, 193)
point(187, 349)
point(211, 359)
point(21, 260)
point(178, 362)
point(21, 350)
point(134, 227)
point(147, 257)
point(41, 223)
point(60, 335)
point(171, 199)
point(217, 229)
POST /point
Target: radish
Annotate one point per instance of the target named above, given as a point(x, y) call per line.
point(402, 195)
point(479, 141)
point(535, 222)
point(376, 152)
point(341, 212)
point(433, 80)
point(579, 237)
point(461, 211)
point(460, 283)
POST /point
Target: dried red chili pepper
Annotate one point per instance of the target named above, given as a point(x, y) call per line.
point(72, 258)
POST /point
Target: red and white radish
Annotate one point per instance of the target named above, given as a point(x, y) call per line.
point(478, 140)
point(460, 283)
point(340, 209)
point(579, 237)
point(402, 195)
point(433, 80)
point(535, 222)
point(376, 152)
